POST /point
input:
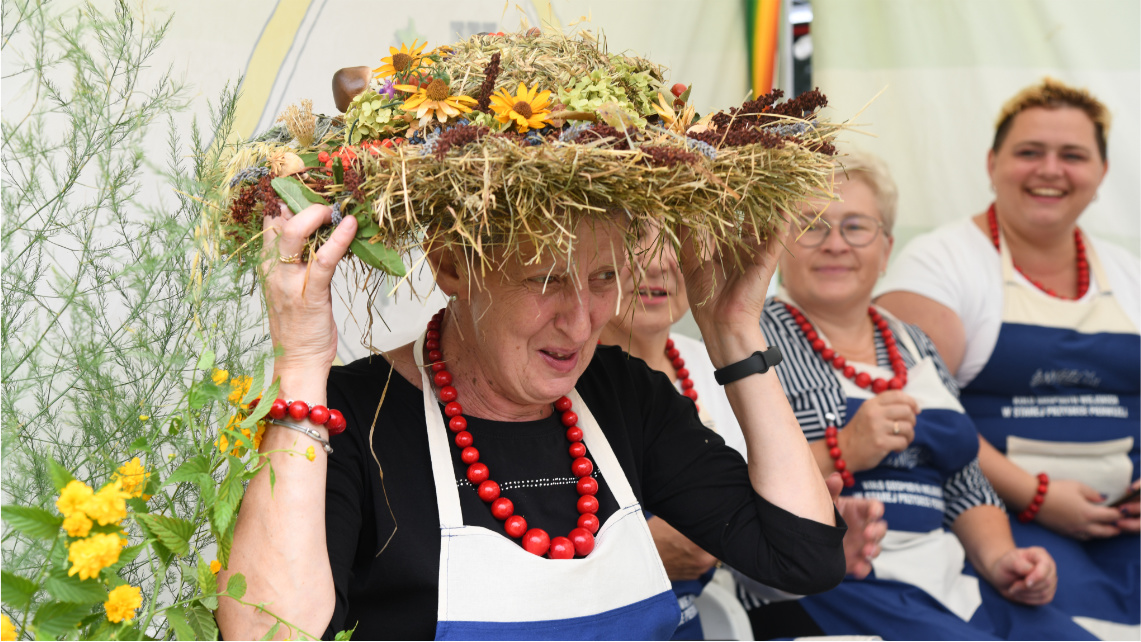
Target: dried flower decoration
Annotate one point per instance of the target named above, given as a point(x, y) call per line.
point(300, 122)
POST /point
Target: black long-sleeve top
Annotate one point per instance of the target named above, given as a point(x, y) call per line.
point(677, 468)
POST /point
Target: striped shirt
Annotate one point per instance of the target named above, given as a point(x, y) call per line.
point(818, 400)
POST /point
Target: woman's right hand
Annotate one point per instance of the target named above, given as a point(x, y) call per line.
point(1073, 509)
point(298, 295)
point(885, 423)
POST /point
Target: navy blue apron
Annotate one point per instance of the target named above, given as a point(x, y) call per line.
point(921, 586)
point(1060, 394)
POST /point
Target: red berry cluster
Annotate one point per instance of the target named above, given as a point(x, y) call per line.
point(1031, 511)
point(299, 410)
point(346, 154)
point(579, 540)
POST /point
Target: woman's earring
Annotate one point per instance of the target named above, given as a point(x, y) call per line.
point(451, 298)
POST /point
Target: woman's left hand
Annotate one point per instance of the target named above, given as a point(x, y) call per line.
point(727, 297)
point(1026, 575)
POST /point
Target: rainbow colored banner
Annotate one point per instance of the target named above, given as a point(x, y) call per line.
point(763, 36)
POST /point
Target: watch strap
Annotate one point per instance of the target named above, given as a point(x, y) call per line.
point(757, 363)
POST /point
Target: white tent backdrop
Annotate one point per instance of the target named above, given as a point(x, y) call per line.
point(949, 65)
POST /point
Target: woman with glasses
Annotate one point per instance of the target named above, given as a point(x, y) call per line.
point(878, 405)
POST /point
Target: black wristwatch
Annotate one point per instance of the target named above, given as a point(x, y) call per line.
point(758, 363)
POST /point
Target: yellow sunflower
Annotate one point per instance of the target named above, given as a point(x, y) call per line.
point(401, 61)
point(529, 108)
point(434, 99)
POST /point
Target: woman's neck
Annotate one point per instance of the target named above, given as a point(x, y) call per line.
point(1046, 255)
point(647, 345)
point(848, 328)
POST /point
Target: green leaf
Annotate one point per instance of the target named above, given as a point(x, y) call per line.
point(206, 360)
point(295, 194)
point(367, 227)
point(203, 623)
point(236, 586)
point(229, 494)
point(192, 470)
point(176, 618)
point(55, 619)
point(225, 542)
point(272, 631)
point(172, 532)
point(130, 633)
point(346, 634)
point(16, 591)
point(338, 171)
point(36, 523)
point(207, 584)
point(309, 158)
point(60, 475)
point(126, 556)
point(69, 588)
point(142, 443)
point(379, 257)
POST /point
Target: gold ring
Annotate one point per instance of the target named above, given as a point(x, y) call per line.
point(292, 258)
point(895, 428)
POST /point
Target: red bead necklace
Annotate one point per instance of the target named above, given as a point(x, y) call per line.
point(674, 356)
point(580, 540)
point(1079, 246)
point(861, 379)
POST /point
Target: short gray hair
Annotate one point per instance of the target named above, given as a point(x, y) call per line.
point(872, 170)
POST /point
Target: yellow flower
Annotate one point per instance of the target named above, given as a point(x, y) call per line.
point(7, 631)
point(134, 476)
point(401, 61)
point(220, 376)
point(91, 555)
point(310, 454)
point(73, 497)
point(259, 434)
point(122, 602)
point(529, 108)
point(240, 387)
point(109, 505)
point(144, 417)
point(435, 99)
point(77, 524)
point(215, 566)
point(222, 443)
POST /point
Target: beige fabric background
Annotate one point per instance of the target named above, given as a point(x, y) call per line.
point(949, 65)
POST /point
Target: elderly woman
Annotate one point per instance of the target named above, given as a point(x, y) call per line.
point(1038, 321)
point(657, 298)
point(878, 406)
point(399, 535)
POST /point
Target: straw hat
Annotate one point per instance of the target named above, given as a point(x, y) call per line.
point(507, 141)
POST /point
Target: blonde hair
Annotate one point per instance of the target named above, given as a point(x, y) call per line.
point(1054, 94)
point(872, 170)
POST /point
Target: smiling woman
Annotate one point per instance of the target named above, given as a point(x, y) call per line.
point(1035, 317)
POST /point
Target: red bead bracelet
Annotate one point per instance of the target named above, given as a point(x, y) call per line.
point(1031, 511)
point(331, 419)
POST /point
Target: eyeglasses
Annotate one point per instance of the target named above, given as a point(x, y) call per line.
point(857, 230)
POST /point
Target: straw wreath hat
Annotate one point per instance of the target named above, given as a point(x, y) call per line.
point(508, 140)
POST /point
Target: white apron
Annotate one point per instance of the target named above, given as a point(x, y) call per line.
point(490, 588)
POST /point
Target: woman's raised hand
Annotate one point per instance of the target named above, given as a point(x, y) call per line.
point(885, 423)
point(298, 299)
point(1073, 509)
point(727, 296)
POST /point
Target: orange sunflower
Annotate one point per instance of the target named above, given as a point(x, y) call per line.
point(529, 108)
point(401, 61)
point(434, 99)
